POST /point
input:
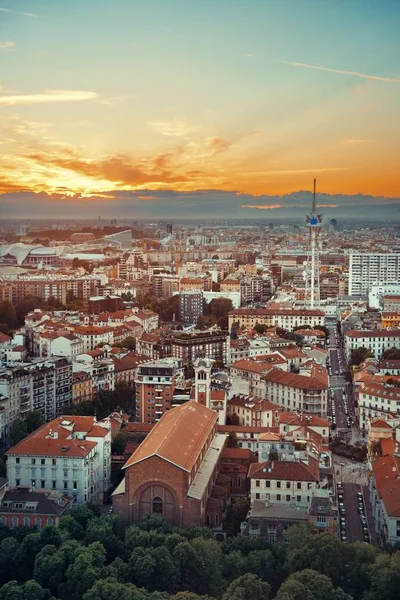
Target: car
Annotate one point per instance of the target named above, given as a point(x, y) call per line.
point(344, 538)
point(360, 494)
point(363, 519)
point(342, 510)
point(361, 509)
point(339, 484)
point(340, 496)
point(342, 520)
point(366, 539)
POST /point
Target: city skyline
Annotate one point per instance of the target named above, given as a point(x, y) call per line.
point(173, 108)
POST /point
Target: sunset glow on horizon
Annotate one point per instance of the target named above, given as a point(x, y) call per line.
point(255, 97)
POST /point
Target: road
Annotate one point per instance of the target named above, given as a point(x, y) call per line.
point(337, 381)
point(353, 521)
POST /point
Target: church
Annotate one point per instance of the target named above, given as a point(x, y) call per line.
point(175, 472)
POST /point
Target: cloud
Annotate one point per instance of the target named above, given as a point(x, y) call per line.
point(248, 55)
point(18, 12)
point(262, 206)
point(356, 142)
point(7, 45)
point(218, 145)
point(176, 128)
point(48, 96)
point(342, 72)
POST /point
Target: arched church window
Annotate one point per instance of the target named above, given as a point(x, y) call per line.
point(157, 505)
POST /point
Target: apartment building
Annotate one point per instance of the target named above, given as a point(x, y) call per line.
point(271, 317)
point(378, 341)
point(147, 319)
point(304, 391)
point(284, 482)
point(67, 345)
point(100, 370)
point(190, 307)
point(253, 412)
point(205, 344)
point(92, 336)
point(390, 319)
point(155, 386)
point(82, 387)
point(377, 400)
point(384, 488)
point(71, 455)
point(375, 268)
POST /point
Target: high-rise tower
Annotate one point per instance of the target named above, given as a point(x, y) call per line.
point(314, 222)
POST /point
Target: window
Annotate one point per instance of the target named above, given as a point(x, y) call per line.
point(217, 519)
point(54, 461)
point(65, 485)
point(288, 485)
point(75, 485)
point(33, 483)
point(257, 483)
point(54, 485)
point(257, 496)
point(239, 482)
point(49, 521)
point(38, 523)
point(42, 483)
point(17, 460)
point(65, 472)
point(321, 519)
point(278, 484)
point(298, 499)
point(17, 482)
point(42, 461)
point(288, 498)
point(157, 505)
point(26, 522)
point(14, 522)
point(3, 520)
point(278, 497)
point(299, 485)
point(33, 461)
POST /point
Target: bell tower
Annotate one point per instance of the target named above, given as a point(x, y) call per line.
point(202, 381)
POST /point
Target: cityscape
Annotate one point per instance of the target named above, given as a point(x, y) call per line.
point(199, 310)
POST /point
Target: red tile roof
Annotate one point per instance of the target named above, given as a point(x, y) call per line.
point(282, 471)
point(386, 471)
point(318, 379)
point(296, 419)
point(242, 453)
point(179, 436)
point(388, 333)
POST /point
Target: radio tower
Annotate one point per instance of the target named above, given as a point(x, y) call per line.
point(314, 222)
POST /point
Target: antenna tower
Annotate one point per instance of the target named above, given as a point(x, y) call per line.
point(314, 223)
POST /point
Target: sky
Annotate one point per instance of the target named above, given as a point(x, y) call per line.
point(184, 107)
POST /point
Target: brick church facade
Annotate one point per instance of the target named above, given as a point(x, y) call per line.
point(175, 472)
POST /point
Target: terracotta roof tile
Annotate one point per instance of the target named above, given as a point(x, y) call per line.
point(179, 436)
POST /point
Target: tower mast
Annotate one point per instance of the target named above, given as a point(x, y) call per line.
point(314, 222)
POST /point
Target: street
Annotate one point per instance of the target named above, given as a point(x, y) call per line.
point(337, 381)
point(354, 526)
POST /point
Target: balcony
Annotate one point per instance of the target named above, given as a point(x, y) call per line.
point(156, 404)
point(321, 525)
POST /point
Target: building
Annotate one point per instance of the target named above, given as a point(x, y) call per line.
point(378, 400)
point(252, 411)
point(390, 319)
point(215, 399)
point(201, 344)
point(155, 387)
point(93, 336)
point(304, 391)
point(385, 498)
point(24, 507)
point(290, 483)
point(175, 471)
point(271, 317)
point(375, 268)
point(104, 304)
point(71, 455)
point(190, 307)
point(82, 387)
point(378, 341)
point(67, 345)
point(121, 239)
point(146, 319)
point(384, 294)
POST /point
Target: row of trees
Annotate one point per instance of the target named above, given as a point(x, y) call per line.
point(94, 558)
point(12, 315)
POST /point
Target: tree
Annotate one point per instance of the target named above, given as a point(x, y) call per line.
point(391, 354)
point(18, 431)
point(49, 568)
point(211, 554)
point(233, 419)
point(129, 342)
point(385, 577)
point(191, 570)
point(239, 511)
point(359, 355)
point(8, 314)
point(308, 585)
point(260, 328)
point(248, 587)
point(111, 589)
point(232, 440)
point(83, 572)
point(9, 559)
point(100, 530)
point(34, 420)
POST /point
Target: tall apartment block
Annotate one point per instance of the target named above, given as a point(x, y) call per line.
point(368, 269)
point(155, 387)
